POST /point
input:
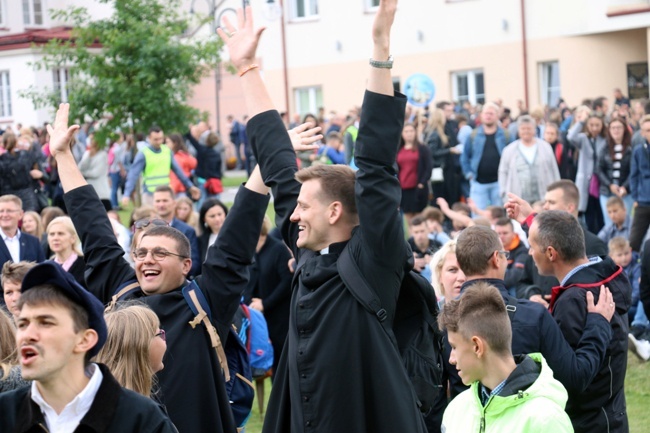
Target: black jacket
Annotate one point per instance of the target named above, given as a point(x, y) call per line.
point(602, 403)
point(208, 158)
point(114, 409)
point(604, 170)
point(644, 285)
point(535, 330)
point(338, 371)
point(192, 384)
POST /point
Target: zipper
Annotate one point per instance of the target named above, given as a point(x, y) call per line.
point(611, 376)
point(40, 424)
point(606, 418)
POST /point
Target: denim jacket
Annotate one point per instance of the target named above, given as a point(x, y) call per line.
point(640, 175)
point(473, 150)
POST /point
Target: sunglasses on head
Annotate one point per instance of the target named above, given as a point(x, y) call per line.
point(146, 222)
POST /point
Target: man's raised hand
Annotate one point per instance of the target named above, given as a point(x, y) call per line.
point(60, 133)
point(242, 40)
point(383, 22)
point(304, 136)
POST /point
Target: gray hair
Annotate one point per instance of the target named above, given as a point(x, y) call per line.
point(526, 120)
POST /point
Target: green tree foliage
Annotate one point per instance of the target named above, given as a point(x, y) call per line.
point(131, 70)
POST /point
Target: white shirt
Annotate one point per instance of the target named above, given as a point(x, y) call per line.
point(70, 417)
point(528, 152)
point(13, 245)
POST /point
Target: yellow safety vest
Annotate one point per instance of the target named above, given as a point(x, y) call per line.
point(156, 169)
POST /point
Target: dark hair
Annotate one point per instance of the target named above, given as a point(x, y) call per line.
point(505, 221)
point(569, 191)
point(433, 213)
point(336, 184)
point(481, 312)
point(165, 188)
point(15, 272)
point(209, 204)
point(182, 243)
point(598, 103)
point(627, 136)
point(178, 143)
point(603, 131)
point(416, 143)
point(496, 212)
point(9, 141)
point(51, 295)
point(417, 220)
point(474, 247)
point(561, 230)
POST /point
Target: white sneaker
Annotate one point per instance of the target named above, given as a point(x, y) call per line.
point(640, 348)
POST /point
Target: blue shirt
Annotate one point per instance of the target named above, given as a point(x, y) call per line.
point(572, 272)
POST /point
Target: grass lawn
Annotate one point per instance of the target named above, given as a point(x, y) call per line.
point(637, 393)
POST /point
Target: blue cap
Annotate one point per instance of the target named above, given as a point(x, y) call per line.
point(52, 273)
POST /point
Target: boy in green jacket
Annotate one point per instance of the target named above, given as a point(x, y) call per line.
point(508, 393)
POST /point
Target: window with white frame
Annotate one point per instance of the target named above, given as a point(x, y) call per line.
point(308, 100)
point(549, 83)
point(5, 94)
point(61, 77)
point(468, 86)
point(33, 11)
point(2, 14)
point(305, 8)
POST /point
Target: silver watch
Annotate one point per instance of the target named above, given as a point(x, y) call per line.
point(388, 64)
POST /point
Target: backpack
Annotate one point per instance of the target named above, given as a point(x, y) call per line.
point(415, 331)
point(254, 333)
point(233, 358)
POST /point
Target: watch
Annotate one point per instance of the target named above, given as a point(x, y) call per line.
point(388, 64)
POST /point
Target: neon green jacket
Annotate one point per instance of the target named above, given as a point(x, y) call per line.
point(537, 408)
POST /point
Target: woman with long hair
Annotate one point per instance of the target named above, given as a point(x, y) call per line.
point(445, 179)
point(185, 212)
point(18, 170)
point(64, 243)
point(613, 166)
point(10, 377)
point(211, 217)
point(134, 348)
point(414, 166)
point(32, 224)
point(185, 161)
point(588, 136)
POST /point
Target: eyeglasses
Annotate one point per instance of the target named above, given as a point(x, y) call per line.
point(158, 254)
point(9, 211)
point(161, 334)
point(146, 222)
point(505, 253)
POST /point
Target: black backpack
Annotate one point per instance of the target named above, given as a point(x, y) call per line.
point(415, 331)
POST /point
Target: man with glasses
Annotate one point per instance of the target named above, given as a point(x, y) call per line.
point(17, 246)
point(482, 258)
point(192, 384)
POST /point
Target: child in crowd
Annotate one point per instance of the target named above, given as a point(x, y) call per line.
point(508, 393)
point(622, 254)
point(621, 223)
point(12, 279)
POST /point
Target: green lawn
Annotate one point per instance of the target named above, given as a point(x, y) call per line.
point(637, 393)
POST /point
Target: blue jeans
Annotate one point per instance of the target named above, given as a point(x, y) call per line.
point(485, 194)
point(115, 185)
point(640, 318)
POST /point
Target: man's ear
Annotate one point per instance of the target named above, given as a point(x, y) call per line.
point(334, 212)
point(479, 346)
point(87, 340)
point(187, 266)
point(552, 254)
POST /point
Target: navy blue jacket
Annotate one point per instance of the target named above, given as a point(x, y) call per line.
point(535, 330)
point(30, 250)
point(602, 403)
point(640, 175)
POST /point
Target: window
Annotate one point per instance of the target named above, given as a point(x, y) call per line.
point(468, 86)
point(2, 13)
point(61, 77)
point(308, 100)
point(5, 95)
point(305, 8)
point(549, 80)
point(33, 12)
point(371, 4)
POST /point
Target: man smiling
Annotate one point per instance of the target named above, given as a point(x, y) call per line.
point(60, 327)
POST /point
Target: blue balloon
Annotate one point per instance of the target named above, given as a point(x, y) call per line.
point(420, 90)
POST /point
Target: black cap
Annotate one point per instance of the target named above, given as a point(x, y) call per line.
point(52, 273)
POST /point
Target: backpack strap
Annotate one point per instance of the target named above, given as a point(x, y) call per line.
point(511, 306)
point(198, 304)
point(361, 290)
point(128, 289)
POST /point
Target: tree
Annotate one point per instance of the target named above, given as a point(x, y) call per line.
point(131, 70)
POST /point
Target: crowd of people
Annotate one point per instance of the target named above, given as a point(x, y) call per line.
point(529, 231)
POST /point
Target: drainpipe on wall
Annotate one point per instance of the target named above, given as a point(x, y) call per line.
point(284, 63)
point(524, 43)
